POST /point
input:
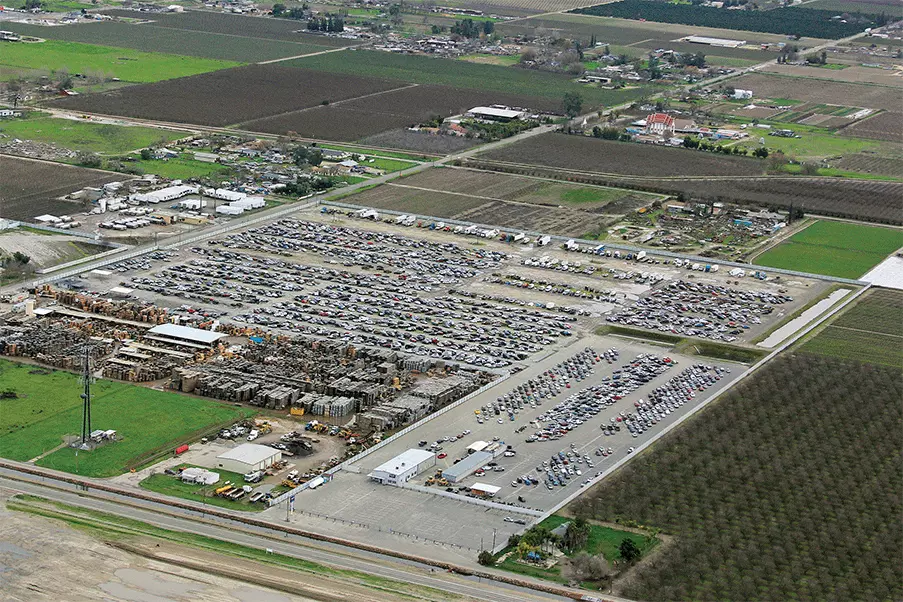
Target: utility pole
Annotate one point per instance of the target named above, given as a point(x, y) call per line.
point(86, 397)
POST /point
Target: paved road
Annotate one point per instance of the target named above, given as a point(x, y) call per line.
point(290, 545)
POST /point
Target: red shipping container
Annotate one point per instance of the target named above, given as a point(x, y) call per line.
point(181, 449)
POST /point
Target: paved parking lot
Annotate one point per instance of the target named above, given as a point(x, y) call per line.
point(351, 496)
point(586, 438)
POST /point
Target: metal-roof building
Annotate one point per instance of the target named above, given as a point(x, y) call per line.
point(184, 335)
point(484, 489)
point(466, 466)
point(495, 113)
point(403, 467)
point(248, 457)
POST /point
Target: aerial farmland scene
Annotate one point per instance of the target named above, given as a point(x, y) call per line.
point(468, 300)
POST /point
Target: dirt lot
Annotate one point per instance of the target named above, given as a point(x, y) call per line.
point(820, 90)
point(869, 200)
point(496, 186)
point(522, 203)
point(358, 118)
point(883, 126)
point(852, 74)
point(47, 249)
point(228, 96)
point(603, 156)
point(30, 188)
point(140, 568)
point(32, 547)
point(405, 139)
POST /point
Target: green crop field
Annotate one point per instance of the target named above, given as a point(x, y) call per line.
point(813, 143)
point(387, 165)
point(152, 38)
point(126, 64)
point(449, 72)
point(870, 331)
point(834, 248)
point(85, 135)
point(47, 407)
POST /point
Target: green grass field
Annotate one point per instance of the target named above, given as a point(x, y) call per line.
point(815, 142)
point(387, 165)
point(832, 248)
point(180, 168)
point(170, 485)
point(463, 74)
point(48, 407)
point(126, 64)
point(85, 135)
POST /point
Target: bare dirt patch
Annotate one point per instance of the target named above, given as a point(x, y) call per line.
point(31, 188)
point(820, 90)
point(229, 96)
point(603, 156)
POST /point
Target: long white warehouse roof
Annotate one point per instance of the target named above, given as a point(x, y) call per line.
point(490, 489)
point(249, 453)
point(494, 112)
point(404, 461)
point(197, 335)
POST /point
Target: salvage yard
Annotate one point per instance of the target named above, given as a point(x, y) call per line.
point(351, 495)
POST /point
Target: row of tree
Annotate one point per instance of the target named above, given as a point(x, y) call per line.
point(786, 489)
point(331, 23)
point(469, 28)
point(787, 21)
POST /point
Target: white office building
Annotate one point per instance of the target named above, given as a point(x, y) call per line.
point(403, 467)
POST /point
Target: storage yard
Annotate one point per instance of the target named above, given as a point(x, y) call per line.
point(372, 322)
point(460, 517)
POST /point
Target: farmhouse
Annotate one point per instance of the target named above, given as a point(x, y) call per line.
point(248, 457)
point(403, 467)
point(660, 124)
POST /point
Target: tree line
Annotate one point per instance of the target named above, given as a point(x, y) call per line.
point(790, 21)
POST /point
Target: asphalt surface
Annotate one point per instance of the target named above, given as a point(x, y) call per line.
point(344, 558)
